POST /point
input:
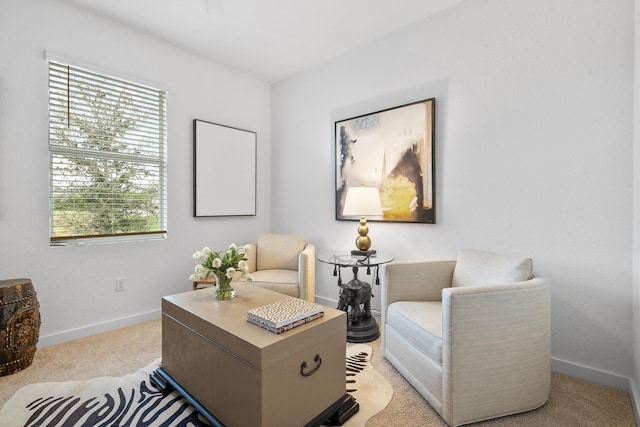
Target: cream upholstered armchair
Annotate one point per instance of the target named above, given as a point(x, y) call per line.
point(472, 336)
point(284, 263)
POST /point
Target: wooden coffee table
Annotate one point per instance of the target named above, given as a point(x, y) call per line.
point(238, 374)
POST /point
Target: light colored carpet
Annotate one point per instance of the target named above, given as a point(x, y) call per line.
point(573, 402)
point(131, 400)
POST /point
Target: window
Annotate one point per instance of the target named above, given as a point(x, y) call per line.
point(107, 142)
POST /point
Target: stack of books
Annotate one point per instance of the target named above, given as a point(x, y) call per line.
point(280, 316)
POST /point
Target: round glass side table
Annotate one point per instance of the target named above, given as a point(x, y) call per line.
point(355, 295)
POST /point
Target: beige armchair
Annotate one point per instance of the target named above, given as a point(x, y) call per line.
point(284, 263)
point(472, 336)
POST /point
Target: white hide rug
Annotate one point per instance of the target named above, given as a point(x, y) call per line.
point(371, 390)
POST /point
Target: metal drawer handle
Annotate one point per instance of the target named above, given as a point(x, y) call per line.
point(318, 360)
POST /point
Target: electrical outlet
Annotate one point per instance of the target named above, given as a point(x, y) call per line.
point(120, 284)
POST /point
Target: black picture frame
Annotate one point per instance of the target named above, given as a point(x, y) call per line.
point(393, 150)
point(224, 170)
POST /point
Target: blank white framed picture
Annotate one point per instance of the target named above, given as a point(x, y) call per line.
point(224, 170)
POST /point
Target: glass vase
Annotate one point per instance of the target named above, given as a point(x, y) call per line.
point(224, 290)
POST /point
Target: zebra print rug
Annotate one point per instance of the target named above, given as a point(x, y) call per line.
point(132, 401)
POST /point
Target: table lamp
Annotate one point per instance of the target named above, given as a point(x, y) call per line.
point(362, 202)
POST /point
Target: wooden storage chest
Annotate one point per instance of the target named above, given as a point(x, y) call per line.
point(246, 375)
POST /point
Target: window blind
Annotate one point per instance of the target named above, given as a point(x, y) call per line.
point(107, 142)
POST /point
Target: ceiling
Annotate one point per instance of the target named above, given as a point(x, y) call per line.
point(267, 39)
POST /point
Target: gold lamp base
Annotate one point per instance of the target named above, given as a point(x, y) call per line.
point(363, 241)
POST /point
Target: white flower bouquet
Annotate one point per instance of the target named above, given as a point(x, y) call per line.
point(224, 265)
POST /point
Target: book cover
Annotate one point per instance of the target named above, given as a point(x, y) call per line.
point(283, 312)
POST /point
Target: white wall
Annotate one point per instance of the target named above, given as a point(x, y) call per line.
point(76, 285)
point(635, 379)
point(534, 158)
point(534, 154)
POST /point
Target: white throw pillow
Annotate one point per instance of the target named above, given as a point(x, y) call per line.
point(475, 268)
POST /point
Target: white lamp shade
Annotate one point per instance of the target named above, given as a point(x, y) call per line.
point(362, 201)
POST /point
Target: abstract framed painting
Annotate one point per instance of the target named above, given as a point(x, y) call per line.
point(224, 170)
point(394, 151)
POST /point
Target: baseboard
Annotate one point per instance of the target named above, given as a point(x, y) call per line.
point(97, 328)
point(590, 374)
point(635, 401)
point(328, 302)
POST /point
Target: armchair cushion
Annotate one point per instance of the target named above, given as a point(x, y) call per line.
point(421, 325)
point(283, 281)
point(279, 251)
point(474, 268)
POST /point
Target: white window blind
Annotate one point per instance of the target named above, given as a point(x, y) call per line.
point(107, 141)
